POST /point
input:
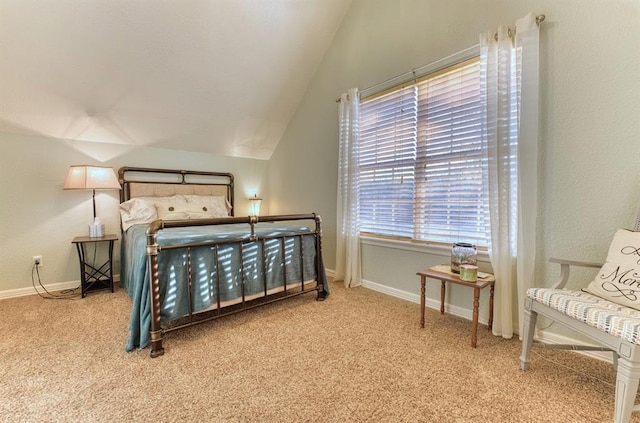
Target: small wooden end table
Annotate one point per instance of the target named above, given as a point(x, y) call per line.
point(95, 277)
point(444, 274)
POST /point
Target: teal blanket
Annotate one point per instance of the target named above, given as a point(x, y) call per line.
point(205, 269)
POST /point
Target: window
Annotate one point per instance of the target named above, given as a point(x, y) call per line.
point(421, 159)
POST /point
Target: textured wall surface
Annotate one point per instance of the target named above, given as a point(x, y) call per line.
point(589, 163)
point(38, 218)
point(589, 144)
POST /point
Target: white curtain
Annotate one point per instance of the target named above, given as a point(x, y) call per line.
point(348, 261)
point(509, 85)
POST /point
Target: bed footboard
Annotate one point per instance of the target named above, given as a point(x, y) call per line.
point(246, 300)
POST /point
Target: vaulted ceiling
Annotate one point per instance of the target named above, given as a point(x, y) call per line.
point(215, 76)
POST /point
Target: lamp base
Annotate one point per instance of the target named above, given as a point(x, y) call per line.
point(96, 230)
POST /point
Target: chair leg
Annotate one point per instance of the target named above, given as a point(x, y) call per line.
point(529, 328)
point(626, 389)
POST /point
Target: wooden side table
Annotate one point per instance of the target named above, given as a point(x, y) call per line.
point(95, 277)
point(441, 273)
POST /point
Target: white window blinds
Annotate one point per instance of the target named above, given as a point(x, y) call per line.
point(421, 157)
point(388, 144)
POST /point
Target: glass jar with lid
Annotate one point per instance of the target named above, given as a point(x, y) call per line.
point(463, 253)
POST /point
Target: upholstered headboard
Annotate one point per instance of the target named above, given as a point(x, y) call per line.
point(147, 182)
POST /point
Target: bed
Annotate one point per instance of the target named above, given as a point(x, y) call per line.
point(187, 259)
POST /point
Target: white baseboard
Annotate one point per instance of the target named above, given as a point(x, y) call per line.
point(544, 337)
point(52, 287)
point(415, 298)
point(22, 292)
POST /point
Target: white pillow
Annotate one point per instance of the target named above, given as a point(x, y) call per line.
point(196, 211)
point(177, 207)
point(167, 207)
point(207, 206)
point(619, 278)
point(175, 215)
point(147, 209)
point(135, 211)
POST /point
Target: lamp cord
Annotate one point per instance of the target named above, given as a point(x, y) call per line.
point(65, 294)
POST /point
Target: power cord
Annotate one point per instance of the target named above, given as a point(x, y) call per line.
point(66, 294)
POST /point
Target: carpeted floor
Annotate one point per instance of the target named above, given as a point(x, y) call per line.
point(360, 356)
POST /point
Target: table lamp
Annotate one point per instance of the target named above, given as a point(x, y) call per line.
point(93, 178)
point(254, 205)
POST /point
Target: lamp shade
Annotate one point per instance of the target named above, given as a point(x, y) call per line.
point(91, 177)
point(254, 205)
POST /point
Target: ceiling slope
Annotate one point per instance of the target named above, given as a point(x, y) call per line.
point(215, 76)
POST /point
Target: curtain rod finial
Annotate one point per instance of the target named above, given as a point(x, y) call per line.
point(540, 19)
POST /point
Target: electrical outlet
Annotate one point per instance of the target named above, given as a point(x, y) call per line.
point(37, 260)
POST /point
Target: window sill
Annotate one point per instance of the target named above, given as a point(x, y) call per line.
point(418, 247)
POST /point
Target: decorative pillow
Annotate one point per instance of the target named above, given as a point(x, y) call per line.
point(196, 211)
point(167, 207)
point(177, 207)
point(206, 207)
point(135, 211)
point(175, 215)
point(619, 278)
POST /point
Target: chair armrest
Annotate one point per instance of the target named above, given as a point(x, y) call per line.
point(564, 269)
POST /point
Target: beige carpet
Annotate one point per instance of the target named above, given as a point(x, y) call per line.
point(360, 356)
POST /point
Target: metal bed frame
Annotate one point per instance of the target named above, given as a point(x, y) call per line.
point(180, 178)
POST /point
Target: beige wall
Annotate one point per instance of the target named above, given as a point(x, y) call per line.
point(589, 157)
point(590, 131)
point(38, 218)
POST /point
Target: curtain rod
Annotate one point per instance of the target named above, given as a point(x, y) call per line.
point(539, 20)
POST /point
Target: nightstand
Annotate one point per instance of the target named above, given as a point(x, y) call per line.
point(94, 276)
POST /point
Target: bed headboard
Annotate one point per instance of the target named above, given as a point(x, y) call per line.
point(147, 182)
